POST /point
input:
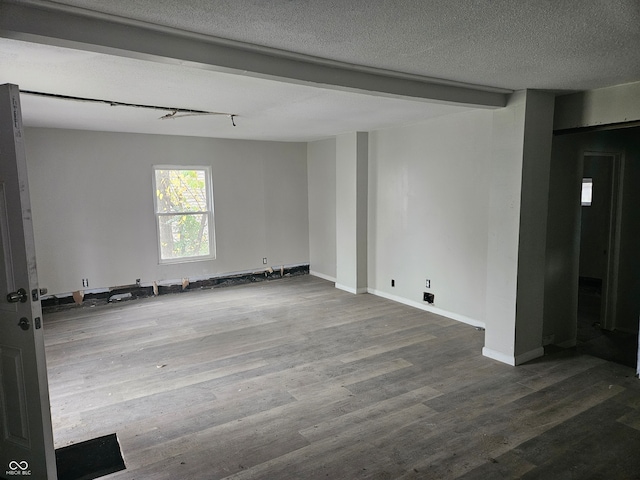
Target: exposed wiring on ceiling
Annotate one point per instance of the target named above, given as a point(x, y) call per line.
point(173, 111)
point(174, 114)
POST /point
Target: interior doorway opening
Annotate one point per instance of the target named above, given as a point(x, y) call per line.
point(601, 204)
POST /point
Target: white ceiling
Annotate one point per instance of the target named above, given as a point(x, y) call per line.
point(266, 109)
point(553, 45)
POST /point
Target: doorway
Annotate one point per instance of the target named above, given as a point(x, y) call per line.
point(601, 202)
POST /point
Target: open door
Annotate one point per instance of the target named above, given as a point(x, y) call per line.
point(26, 438)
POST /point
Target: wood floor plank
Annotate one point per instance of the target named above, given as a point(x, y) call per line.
point(371, 413)
point(295, 379)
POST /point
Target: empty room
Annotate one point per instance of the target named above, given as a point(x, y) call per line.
point(286, 240)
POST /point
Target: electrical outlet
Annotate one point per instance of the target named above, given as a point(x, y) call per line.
point(393, 283)
point(264, 261)
point(427, 284)
point(428, 297)
point(85, 282)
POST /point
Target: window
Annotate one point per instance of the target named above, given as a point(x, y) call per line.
point(184, 213)
point(587, 192)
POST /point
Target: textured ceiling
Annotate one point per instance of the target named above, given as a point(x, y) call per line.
point(554, 45)
point(545, 44)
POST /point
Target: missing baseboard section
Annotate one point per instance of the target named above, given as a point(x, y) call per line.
point(132, 292)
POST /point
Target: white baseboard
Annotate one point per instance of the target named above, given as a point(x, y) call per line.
point(501, 357)
point(322, 275)
point(510, 359)
point(428, 308)
point(351, 289)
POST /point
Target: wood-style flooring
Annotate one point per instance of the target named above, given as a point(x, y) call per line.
point(616, 346)
point(294, 379)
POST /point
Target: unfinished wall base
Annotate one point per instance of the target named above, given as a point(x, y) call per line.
point(132, 292)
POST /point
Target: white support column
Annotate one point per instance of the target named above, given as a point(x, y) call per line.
point(517, 228)
point(352, 163)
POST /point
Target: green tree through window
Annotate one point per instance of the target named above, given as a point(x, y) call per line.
point(184, 213)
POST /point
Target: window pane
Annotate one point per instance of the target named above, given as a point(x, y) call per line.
point(184, 235)
point(587, 191)
point(181, 191)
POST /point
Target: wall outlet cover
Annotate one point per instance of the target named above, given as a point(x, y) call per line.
point(428, 297)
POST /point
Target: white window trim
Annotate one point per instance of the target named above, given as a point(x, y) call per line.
point(209, 212)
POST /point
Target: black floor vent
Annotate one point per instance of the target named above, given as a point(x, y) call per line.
point(91, 459)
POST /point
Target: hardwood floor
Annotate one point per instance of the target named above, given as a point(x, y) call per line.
point(294, 379)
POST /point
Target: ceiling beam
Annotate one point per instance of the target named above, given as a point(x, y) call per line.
point(53, 24)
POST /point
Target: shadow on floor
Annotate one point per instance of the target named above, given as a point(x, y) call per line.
point(615, 346)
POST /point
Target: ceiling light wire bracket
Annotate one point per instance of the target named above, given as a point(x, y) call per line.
point(174, 112)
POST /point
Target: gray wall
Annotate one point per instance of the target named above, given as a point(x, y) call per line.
point(629, 273)
point(428, 212)
point(352, 198)
point(93, 214)
point(563, 242)
point(321, 170)
point(620, 103)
